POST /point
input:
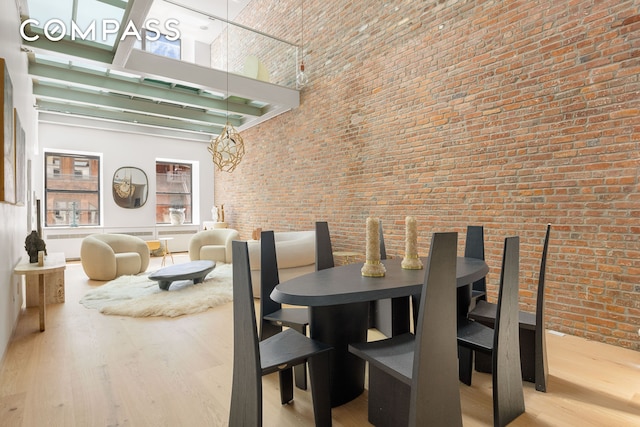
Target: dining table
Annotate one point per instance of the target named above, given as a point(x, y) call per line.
point(338, 299)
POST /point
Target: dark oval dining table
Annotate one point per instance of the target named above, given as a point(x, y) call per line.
point(338, 300)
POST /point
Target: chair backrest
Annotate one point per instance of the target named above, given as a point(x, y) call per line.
point(269, 279)
point(541, 368)
point(246, 391)
point(383, 248)
point(324, 250)
point(474, 248)
point(507, 378)
point(435, 394)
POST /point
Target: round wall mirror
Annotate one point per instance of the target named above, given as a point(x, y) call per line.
point(130, 187)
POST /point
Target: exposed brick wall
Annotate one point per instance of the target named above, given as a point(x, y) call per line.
point(508, 114)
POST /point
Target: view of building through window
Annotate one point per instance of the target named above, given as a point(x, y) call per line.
point(173, 190)
point(72, 190)
point(159, 44)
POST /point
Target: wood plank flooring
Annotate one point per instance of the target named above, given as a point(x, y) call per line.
point(89, 369)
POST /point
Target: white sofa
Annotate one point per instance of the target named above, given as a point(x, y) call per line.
point(107, 256)
point(295, 251)
point(214, 245)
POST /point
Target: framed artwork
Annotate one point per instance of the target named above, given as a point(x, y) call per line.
point(21, 157)
point(7, 162)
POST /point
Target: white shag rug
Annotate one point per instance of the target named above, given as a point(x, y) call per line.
point(137, 296)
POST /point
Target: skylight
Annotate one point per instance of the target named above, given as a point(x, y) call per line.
point(102, 15)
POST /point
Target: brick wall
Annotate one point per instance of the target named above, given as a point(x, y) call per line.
point(508, 114)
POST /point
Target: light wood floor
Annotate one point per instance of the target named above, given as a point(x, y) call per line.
point(89, 369)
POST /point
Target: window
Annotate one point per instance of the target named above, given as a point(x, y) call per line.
point(173, 190)
point(158, 44)
point(72, 189)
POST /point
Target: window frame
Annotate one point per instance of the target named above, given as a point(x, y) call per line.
point(154, 46)
point(57, 175)
point(162, 209)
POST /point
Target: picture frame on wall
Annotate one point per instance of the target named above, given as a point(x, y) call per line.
point(20, 160)
point(7, 162)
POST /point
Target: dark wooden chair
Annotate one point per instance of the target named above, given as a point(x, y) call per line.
point(474, 248)
point(500, 342)
point(253, 359)
point(390, 316)
point(272, 316)
point(533, 348)
point(413, 379)
point(324, 250)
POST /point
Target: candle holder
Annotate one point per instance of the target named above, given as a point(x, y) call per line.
point(411, 261)
point(372, 266)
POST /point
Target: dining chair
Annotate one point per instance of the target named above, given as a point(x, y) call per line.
point(272, 316)
point(413, 379)
point(252, 359)
point(390, 316)
point(501, 342)
point(324, 250)
point(474, 248)
point(533, 348)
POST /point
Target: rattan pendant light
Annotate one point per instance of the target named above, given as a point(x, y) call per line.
point(227, 148)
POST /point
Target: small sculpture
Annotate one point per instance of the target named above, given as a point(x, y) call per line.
point(221, 214)
point(34, 244)
point(411, 260)
point(372, 266)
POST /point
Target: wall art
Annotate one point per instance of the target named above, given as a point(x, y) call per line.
point(7, 162)
point(21, 158)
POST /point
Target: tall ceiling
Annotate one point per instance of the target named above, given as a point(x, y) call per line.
point(111, 82)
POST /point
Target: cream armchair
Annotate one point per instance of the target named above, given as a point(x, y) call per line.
point(295, 252)
point(107, 256)
point(213, 245)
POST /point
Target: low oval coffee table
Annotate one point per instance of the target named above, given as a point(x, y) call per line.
point(194, 270)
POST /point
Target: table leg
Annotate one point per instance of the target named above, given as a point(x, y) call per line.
point(166, 252)
point(42, 301)
point(339, 326)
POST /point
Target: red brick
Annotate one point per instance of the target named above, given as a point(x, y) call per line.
point(506, 117)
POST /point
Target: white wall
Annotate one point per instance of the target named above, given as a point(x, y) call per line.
point(119, 149)
point(13, 218)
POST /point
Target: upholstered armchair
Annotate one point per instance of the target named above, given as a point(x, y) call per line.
point(214, 245)
point(107, 256)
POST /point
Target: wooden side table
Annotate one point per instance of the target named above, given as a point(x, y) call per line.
point(166, 250)
point(348, 256)
point(53, 263)
point(210, 225)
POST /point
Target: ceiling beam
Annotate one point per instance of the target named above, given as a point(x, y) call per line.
point(136, 14)
point(132, 87)
point(128, 117)
point(111, 101)
point(76, 49)
point(118, 126)
point(115, 3)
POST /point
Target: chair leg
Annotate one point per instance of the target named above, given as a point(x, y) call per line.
point(320, 388)
point(300, 375)
point(465, 364)
point(286, 385)
point(300, 371)
point(483, 362)
point(527, 354)
point(389, 399)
